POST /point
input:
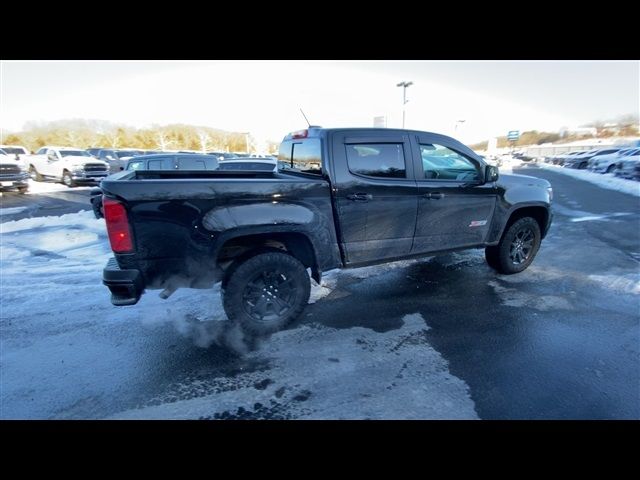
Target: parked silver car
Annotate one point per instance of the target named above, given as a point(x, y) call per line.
point(608, 163)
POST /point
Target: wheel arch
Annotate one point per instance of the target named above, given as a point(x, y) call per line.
point(539, 212)
point(239, 245)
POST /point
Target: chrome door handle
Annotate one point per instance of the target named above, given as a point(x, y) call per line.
point(360, 197)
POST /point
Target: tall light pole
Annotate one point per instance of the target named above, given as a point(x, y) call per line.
point(404, 86)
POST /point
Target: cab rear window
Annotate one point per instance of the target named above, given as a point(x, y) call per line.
point(301, 156)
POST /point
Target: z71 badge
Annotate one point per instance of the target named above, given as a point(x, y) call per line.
point(478, 223)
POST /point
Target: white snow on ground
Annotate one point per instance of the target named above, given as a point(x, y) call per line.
point(11, 211)
point(50, 278)
point(48, 187)
point(607, 180)
point(508, 163)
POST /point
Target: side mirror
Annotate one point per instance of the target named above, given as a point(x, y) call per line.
point(491, 174)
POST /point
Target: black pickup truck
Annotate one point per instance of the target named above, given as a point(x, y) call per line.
point(343, 197)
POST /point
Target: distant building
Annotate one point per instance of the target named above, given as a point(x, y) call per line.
point(380, 122)
point(579, 131)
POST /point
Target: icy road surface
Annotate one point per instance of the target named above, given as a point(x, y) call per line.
point(58, 324)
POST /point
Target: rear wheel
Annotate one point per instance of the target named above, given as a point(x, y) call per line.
point(96, 204)
point(23, 190)
point(611, 168)
point(266, 292)
point(517, 248)
point(34, 174)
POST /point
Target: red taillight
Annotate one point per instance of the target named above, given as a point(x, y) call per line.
point(300, 134)
point(117, 226)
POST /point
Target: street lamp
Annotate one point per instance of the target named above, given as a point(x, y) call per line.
point(404, 86)
point(246, 140)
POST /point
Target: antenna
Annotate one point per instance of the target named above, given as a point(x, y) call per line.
point(305, 117)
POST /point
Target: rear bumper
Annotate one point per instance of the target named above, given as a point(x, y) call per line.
point(126, 286)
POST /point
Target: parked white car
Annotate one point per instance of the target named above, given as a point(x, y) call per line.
point(17, 151)
point(608, 163)
point(629, 166)
point(13, 173)
point(71, 166)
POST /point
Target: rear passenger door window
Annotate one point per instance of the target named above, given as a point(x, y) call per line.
point(186, 163)
point(158, 164)
point(381, 160)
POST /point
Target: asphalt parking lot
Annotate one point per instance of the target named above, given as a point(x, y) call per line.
point(443, 337)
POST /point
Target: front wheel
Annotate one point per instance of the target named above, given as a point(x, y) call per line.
point(611, 168)
point(517, 249)
point(34, 174)
point(67, 180)
point(266, 292)
point(23, 190)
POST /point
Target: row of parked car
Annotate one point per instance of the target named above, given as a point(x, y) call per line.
point(187, 161)
point(117, 159)
point(620, 161)
point(75, 166)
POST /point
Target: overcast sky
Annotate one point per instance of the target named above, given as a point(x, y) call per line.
point(264, 97)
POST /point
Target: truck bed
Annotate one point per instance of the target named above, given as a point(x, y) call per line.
point(181, 220)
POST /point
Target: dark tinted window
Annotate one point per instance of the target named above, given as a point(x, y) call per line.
point(302, 156)
point(158, 164)
point(135, 166)
point(13, 150)
point(185, 163)
point(605, 152)
point(245, 166)
point(377, 159)
point(442, 163)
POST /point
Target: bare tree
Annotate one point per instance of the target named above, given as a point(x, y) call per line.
point(71, 138)
point(162, 139)
point(113, 137)
point(205, 140)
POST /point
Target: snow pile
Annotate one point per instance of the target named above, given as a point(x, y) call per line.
point(607, 180)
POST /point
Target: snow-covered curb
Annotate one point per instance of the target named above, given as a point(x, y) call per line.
point(606, 180)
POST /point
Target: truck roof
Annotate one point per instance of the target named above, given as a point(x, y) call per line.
point(314, 131)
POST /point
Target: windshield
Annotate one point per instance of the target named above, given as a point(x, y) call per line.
point(127, 153)
point(74, 153)
point(13, 150)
